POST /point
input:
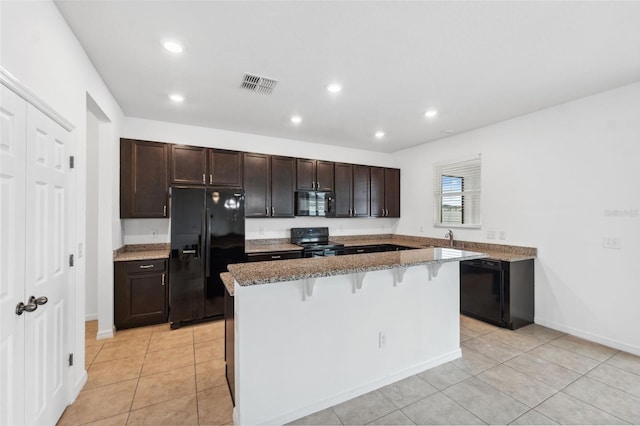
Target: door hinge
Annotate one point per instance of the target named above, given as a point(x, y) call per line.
point(71, 260)
point(72, 162)
point(71, 360)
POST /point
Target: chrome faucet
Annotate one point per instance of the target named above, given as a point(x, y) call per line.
point(449, 235)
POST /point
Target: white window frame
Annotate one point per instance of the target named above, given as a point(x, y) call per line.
point(469, 170)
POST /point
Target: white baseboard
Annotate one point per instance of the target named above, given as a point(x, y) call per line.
point(357, 391)
point(106, 334)
point(91, 317)
point(590, 336)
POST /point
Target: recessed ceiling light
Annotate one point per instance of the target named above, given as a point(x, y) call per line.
point(379, 134)
point(176, 97)
point(431, 113)
point(296, 119)
point(173, 46)
point(334, 87)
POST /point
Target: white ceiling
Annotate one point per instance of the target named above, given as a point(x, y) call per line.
point(477, 63)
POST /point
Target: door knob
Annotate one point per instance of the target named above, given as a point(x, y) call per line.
point(42, 300)
point(21, 307)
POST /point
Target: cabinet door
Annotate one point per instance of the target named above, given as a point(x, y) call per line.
point(188, 165)
point(343, 189)
point(140, 297)
point(225, 168)
point(283, 178)
point(377, 192)
point(324, 175)
point(144, 179)
point(361, 191)
point(392, 192)
point(256, 185)
point(305, 174)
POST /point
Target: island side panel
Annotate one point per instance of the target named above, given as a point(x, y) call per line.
point(295, 357)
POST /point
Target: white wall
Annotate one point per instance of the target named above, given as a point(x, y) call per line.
point(296, 357)
point(137, 231)
point(92, 226)
point(38, 48)
point(548, 179)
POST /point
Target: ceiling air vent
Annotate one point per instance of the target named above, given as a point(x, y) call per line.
point(259, 84)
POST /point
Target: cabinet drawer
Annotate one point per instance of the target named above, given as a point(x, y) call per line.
point(147, 266)
point(360, 249)
point(279, 255)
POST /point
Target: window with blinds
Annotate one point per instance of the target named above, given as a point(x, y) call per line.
point(457, 193)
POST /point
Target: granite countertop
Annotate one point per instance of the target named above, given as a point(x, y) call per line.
point(227, 280)
point(493, 251)
point(253, 273)
point(142, 252)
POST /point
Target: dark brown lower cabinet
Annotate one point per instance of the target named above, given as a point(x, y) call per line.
point(274, 255)
point(140, 293)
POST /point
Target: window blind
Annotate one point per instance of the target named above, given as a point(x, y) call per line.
point(456, 192)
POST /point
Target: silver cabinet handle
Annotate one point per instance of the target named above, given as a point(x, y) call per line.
point(146, 266)
point(164, 210)
point(204, 179)
point(276, 257)
point(273, 211)
point(211, 179)
point(313, 185)
point(186, 252)
point(360, 251)
point(355, 212)
point(267, 211)
point(317, 185)
point(163, 279)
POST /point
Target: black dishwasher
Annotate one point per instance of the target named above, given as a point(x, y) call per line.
point(497, 292)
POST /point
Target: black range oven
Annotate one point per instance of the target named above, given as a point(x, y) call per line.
point(315, 242)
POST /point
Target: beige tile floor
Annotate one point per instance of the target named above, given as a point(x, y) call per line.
point(154, 376)
point(531, 376)
point(534, 375)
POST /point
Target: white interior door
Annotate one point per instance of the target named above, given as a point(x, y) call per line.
point(47, 272)
point(35, 235)
point(12, 255)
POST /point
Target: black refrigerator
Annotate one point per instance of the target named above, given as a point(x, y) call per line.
point(207, 234)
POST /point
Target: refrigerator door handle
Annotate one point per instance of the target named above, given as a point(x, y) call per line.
point(207, 231)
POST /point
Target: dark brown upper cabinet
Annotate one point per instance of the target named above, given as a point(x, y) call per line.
point(269, 185)
point(192, 165)
point(385, 192)
point(314, 175)
point(283, 186)
point(144, 179)
point(225, 168)
point(188, 165)
point(352, 190)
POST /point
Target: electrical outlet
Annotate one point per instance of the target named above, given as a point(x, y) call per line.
point(421, 228)
point(502, 235)
point(261, 230)
point(80, 250)
point(154, 234)
point(611, 243)
point(491, 234)
point(382, 339)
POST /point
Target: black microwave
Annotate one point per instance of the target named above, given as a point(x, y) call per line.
point(315, 203)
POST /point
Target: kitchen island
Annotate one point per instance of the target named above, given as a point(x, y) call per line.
point(311, 333)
